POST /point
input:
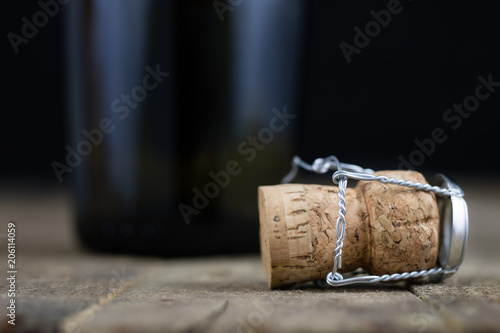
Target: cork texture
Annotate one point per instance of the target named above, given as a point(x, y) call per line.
point(390, 229)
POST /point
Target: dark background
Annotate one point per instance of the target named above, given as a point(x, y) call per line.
point(397, 89)
point(369, 111)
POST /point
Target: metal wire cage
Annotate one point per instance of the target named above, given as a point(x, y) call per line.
point(454, 220)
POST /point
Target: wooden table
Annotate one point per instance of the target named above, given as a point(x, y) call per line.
point(61, 288)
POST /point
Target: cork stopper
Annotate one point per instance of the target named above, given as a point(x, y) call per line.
point(389, 229)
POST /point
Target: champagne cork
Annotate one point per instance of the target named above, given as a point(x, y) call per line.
point(389, 229)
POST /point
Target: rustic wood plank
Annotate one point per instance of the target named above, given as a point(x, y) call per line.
point(469, 301)
point(61, 288)
point(43, 216)
point(228, 295)
point(51, 288)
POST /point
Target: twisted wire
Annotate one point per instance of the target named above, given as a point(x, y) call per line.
point(420, 186)
point(400, 182)
point(340, 230)
point(331, 280)
point(321, 165)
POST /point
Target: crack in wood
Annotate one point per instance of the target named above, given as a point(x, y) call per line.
point(297, 212)
point(298, 225)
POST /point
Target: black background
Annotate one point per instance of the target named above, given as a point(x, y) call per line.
point(369, 111)
point(33, 125)
point(398, 88)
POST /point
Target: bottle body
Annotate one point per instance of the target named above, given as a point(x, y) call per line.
point(172, 140)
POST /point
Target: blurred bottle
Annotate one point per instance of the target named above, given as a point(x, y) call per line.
point(178, 110)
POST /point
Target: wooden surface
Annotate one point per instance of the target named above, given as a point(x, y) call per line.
point(61, 288)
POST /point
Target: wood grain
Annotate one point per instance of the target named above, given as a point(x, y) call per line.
point(64, 289)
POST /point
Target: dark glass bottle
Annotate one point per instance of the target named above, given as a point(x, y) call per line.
point(178, 110)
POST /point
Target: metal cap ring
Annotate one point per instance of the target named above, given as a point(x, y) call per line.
point(454, 219)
